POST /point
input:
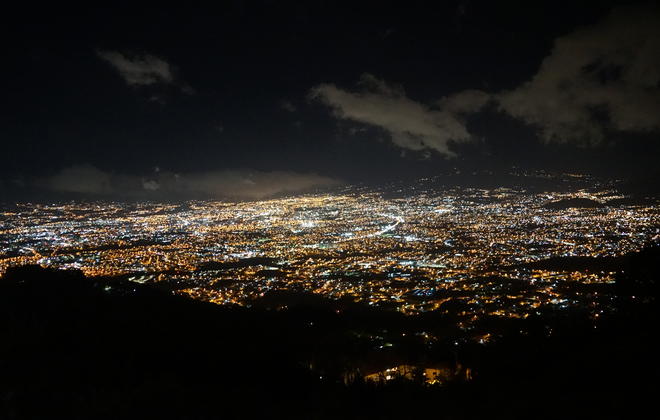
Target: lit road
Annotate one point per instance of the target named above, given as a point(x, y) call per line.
point(389, 228)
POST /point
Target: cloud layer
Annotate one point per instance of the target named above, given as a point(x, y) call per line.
point(605, 76)
point(139, 70)
point(231, 184)
point(411, 125)
point(600, 79)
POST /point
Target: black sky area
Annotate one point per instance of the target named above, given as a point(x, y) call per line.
point(248, 86)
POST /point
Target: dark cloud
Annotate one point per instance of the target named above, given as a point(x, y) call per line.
point(598, 78)
point(411, 125)
point(288, 106)
point(465, 102)
point(236, 184)
point(84, 179)
point(139, 70)
point(606, 75)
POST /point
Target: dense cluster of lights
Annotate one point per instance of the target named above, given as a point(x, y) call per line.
point(461, 250)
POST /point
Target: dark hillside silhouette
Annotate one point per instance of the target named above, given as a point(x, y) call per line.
point(90, 348)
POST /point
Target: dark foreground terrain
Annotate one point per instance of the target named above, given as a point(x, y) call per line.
point(89, 348)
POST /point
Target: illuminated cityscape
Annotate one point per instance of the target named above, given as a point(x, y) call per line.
point(468, 252)
point(330, 210)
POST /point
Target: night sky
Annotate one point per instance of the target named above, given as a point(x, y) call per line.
point(265, 94)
